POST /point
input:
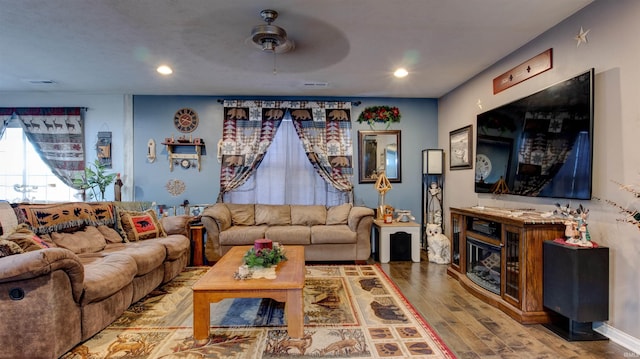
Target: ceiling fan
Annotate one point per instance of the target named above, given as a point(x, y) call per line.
point(270, 38)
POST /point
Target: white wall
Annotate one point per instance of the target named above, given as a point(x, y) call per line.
point(614, 52)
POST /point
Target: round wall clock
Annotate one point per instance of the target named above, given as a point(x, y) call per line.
point(185, 120)
point(483, 167)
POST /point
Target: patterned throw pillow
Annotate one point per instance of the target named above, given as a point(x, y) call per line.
point(141, 225)
point(8, 248)
point(26, 239)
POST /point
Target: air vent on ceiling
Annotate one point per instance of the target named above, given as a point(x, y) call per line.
point(315, 84)
point(41, 82)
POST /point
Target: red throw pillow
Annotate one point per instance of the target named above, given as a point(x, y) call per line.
point(141, 225)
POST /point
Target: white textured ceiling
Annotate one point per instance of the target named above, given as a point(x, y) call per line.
point(114, 46)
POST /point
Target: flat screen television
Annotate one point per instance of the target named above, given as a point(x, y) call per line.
point(540, 145)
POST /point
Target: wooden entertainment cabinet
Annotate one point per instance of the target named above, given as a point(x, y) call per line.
point(496, 254)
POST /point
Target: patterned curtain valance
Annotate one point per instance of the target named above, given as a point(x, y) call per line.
point(41, 111)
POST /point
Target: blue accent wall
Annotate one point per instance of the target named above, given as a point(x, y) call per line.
point(153, 119)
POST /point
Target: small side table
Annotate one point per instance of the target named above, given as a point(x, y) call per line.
point(383, 231)
point(196, 233)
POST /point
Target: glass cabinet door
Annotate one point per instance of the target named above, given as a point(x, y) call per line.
point(512, 253)
point(456, 233)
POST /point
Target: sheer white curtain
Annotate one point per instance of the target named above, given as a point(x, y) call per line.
point(286, 176)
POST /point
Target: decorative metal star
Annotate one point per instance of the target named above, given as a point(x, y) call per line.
point(582, 36)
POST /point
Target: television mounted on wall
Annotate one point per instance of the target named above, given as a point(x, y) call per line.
point(540, 145)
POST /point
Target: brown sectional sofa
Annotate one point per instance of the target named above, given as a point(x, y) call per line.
point(338, 233)
point(54, 298)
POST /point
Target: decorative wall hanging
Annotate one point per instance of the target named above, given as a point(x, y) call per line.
point(103, 148)
point(526, 70)
point(175, 187)
point(382, 114)
point(582, 37)
point(151, 150)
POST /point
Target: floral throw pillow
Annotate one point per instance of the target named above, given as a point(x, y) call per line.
point(141, 225)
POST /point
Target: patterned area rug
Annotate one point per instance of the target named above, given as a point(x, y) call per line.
point(351, 311)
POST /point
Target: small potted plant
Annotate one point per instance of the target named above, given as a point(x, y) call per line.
point(94, 176)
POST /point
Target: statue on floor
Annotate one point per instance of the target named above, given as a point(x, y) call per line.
point(439, 249)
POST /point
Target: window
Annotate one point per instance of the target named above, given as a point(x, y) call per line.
point(24, 176)
point(286, 176)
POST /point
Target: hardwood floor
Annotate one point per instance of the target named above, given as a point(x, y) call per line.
point(473, 329)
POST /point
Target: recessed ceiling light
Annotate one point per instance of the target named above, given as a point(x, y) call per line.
point(401, 72)
point(165, 70)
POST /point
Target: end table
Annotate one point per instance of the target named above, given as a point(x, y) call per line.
point(383, 231)
point(196, 233)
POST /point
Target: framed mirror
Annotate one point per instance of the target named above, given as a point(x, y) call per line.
point(379, 151)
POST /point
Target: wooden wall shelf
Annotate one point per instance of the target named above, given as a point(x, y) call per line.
point(195, 154)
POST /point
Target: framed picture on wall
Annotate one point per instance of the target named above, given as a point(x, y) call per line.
point(460, 150)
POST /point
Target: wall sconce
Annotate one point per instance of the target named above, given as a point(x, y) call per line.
point(432, 161)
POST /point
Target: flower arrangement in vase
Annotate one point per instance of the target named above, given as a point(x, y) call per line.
point(384, 114)
point(264, 257)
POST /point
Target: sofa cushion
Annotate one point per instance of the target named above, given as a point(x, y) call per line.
point(333, 234)
point(175, 245)
point(105, 275)
point(300, 235)
point(241, 235)
point(338, 214)
point(141, 225)
point(308, 215)
point(26, 239)
point(273, 215)
point(9, 248)
point(147, 256)
point(110, 234)
point(176, 224)
point(89, 240)
point(241, 214)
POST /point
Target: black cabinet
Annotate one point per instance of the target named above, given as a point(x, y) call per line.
point(576, 288)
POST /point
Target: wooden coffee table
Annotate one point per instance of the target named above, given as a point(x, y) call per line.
point(219, 283)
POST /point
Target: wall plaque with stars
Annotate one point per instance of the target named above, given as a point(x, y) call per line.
point(186, 120)
point(526, 70)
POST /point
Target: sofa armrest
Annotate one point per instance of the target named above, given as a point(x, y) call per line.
point(220, 214)
point(177, 224)
point(356, 215)
point(215, 219)
point(42, 262)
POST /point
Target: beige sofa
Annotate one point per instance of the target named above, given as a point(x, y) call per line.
point(80, 276)
point(338, 233)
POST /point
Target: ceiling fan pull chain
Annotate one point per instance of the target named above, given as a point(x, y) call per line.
point(275, 71)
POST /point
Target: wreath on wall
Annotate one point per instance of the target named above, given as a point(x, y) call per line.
point(384, 114)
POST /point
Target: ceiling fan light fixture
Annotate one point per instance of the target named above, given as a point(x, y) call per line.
point(270, 38)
